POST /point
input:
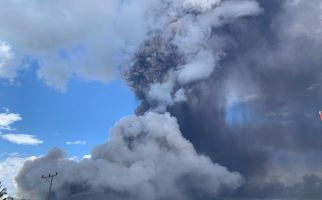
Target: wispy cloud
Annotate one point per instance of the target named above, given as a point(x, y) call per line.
point(23, 139)
point(77, 142)
point(7, 119)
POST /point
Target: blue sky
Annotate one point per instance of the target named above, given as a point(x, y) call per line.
point(84, 112)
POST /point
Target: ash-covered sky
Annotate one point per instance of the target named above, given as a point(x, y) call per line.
point(228, 92)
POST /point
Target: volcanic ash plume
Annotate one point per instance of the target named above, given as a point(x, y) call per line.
point(146, 157)
point(241, 80)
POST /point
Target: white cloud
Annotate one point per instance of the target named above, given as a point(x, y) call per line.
point(5, 56)
point(87, 156)
point(9, 168)
point(23, 139)
point(77, 142)
point(83, 38)
point(7, 118)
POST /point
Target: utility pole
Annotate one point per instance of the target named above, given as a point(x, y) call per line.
point(49, 178)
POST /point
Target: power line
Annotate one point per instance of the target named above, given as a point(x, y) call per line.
point(50, 177)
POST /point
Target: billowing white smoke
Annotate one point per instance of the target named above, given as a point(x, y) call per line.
point(146, 157)
point(201, 5)
point(189, 27)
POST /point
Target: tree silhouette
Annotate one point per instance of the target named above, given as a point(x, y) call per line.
point(3, 193)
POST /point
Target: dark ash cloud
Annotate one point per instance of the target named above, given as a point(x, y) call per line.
point(262, 100)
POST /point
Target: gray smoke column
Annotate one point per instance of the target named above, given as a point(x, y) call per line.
point(145, 158)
